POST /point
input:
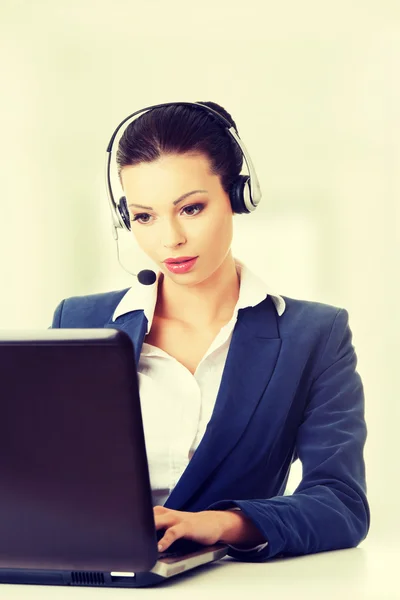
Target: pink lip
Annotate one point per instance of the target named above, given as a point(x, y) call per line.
point(179, 259)
point(185, 264)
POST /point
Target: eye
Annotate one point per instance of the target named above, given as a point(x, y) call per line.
point(142, 218)
point(193, 209)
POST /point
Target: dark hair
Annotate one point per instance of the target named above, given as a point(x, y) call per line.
point(180, 129)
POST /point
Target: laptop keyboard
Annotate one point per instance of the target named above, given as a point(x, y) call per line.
point(179, 548)
point(171, 554)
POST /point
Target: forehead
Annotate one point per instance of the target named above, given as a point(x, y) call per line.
point(170, 175)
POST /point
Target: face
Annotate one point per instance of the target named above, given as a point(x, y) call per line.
point(179, 209)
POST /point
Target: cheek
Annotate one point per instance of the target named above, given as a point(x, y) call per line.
point(143, 239)
point(219, 231)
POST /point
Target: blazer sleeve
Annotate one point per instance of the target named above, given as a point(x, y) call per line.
point(329, 508)
point(57, 316)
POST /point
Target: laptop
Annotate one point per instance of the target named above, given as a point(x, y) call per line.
point(75, 501)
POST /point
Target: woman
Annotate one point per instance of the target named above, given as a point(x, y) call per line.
point(236, 382)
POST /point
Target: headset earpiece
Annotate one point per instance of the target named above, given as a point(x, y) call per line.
point(123, 211)
point(237, 194)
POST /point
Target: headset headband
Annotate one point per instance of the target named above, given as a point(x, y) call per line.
point(253, 191)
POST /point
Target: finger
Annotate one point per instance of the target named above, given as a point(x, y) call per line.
point(160, 509)
point(171, 535)
point(164, 521)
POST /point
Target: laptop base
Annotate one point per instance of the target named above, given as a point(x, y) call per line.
point(162, 570)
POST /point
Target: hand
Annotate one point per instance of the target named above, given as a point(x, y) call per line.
point(207, 527)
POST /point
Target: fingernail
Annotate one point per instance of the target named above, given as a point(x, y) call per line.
point(160, 547)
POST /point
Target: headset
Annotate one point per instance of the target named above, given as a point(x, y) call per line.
point(245, 192)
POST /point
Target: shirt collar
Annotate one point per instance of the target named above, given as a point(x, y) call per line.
point(253, 290)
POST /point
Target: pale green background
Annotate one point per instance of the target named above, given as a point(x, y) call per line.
point(314, 88)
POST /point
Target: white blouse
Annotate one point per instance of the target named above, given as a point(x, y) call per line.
point(176, 404)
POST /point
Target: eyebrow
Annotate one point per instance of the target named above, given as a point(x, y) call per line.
point(175, 202)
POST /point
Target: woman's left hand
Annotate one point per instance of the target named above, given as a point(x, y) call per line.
point(206, 527)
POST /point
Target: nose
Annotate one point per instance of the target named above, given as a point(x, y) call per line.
point(172, 234)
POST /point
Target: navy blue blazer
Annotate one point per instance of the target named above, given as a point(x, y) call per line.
point(289, 390)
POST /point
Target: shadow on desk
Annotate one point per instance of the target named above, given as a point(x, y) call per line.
point(210, 568)
point(349, 563)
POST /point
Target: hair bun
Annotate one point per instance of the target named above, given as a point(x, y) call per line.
point(220, 110)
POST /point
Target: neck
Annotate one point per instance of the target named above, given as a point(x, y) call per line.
point(210, 302)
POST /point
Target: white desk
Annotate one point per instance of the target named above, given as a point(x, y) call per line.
point(370, 571)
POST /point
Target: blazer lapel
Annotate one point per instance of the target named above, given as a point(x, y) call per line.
point(250, 363)
point(135, 325)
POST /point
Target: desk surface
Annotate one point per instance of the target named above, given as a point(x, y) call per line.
point(370, 571)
